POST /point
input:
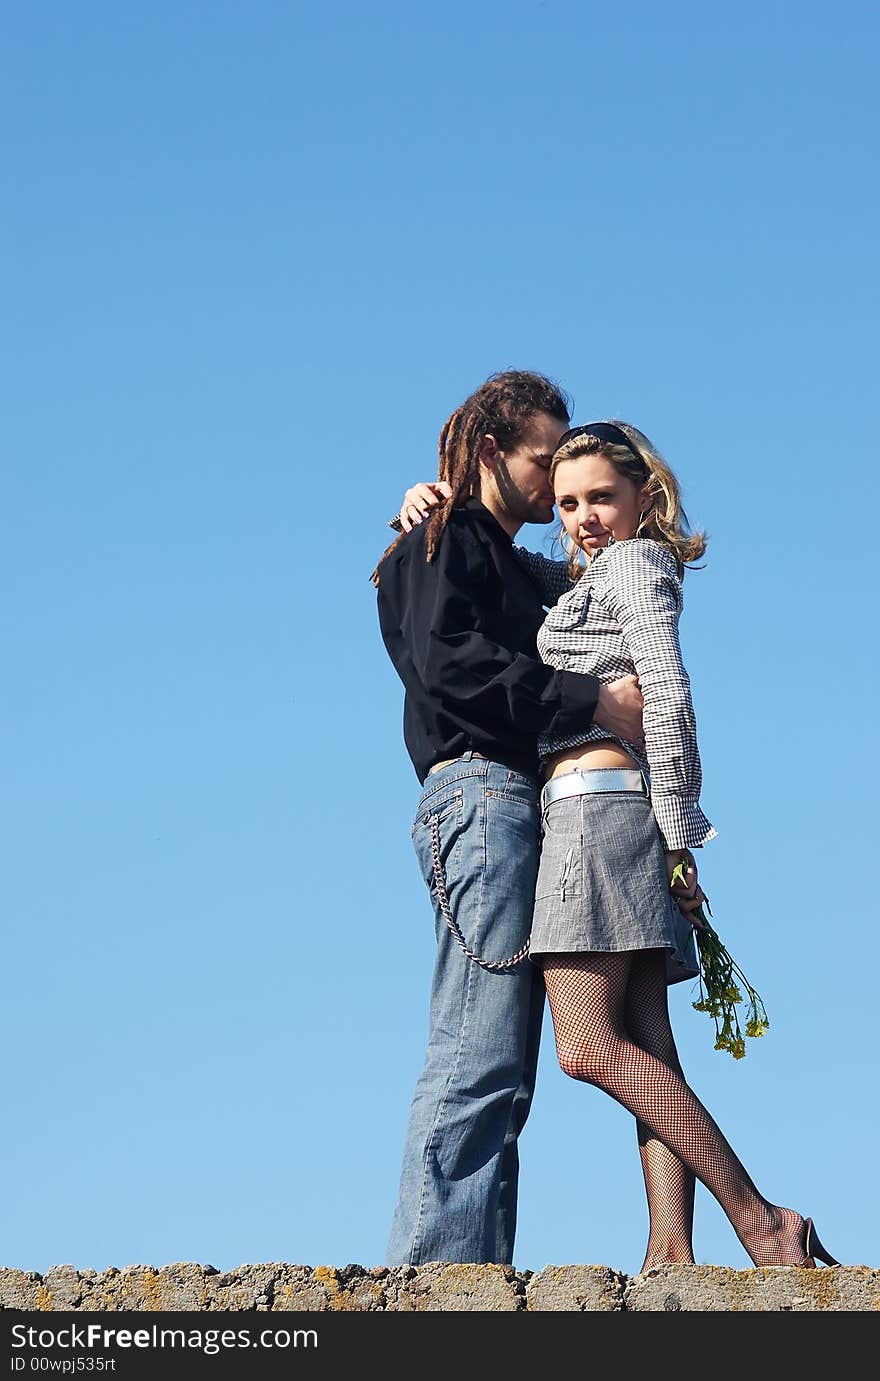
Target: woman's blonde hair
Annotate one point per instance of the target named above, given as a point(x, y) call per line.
point(638, 460)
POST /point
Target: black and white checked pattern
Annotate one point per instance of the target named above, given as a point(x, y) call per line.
point(620, 619)
point(551, 577)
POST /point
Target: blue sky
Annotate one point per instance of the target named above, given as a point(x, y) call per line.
point(255, 255)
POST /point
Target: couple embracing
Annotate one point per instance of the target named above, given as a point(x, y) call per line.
point(548, 716)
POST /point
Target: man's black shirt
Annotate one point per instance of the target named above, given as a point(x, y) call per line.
point(461, 632)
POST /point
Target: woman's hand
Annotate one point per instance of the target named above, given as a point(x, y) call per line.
point(418, 502)
point(689, 895)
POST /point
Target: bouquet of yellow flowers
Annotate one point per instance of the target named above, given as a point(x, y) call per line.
point(720, 979)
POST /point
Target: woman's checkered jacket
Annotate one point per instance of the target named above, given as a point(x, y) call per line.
point(621, 618)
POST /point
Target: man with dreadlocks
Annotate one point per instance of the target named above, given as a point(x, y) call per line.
point(459, 616)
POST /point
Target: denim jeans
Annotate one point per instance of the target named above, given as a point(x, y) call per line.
point(458, 1184)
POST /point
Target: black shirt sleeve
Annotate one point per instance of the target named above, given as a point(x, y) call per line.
point(446, 627)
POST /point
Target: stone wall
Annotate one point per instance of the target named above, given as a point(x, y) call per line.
point(278, 1287)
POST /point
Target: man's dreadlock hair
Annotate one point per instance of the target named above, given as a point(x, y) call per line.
point(502, 407)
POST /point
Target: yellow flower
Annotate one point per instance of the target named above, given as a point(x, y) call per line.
point(720, 993)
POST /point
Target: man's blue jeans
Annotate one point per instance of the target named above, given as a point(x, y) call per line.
point(458, 1185)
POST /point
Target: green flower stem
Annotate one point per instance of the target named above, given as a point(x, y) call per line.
point(721, 980)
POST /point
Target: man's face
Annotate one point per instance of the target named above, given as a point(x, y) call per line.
point(521, 475)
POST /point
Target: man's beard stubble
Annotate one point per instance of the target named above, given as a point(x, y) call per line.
point(515, 502)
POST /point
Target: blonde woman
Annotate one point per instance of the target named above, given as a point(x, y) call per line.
point(616, 818)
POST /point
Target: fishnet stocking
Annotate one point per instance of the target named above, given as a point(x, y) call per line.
point(669, 1184)
point(589, 1002)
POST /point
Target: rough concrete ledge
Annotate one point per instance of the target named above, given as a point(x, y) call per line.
point(277, 1286)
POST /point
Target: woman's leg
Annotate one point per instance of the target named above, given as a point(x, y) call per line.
point(587, 994)
point(669, 1184)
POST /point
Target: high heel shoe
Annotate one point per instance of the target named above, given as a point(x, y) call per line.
point(813, 1248)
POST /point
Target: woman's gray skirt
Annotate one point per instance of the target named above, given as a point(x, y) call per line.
point(602, 883)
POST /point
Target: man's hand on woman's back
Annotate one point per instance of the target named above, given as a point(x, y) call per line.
point(619, 709)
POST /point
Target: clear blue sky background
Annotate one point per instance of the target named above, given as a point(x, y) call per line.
point(254, 255)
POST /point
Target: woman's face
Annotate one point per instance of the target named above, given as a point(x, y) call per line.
point(595, 502)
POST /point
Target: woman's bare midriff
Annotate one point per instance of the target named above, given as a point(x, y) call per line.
point(603, 752)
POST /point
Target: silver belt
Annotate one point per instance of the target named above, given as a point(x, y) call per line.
point(596, 779)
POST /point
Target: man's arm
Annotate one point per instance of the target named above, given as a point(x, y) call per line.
point(618, 705)
point(436, 607)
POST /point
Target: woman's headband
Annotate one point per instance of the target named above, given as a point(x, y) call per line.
point(602, 431)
